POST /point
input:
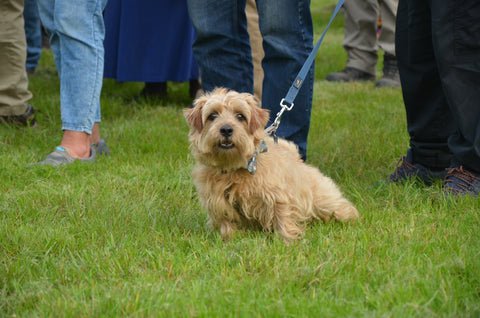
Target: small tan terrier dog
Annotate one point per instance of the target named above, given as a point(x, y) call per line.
point(246, 180)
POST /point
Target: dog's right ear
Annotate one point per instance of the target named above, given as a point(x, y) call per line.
point(193, 116)
point(259, 115)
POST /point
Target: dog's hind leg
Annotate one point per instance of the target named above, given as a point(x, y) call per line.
point(288, 223)
point(329, 203)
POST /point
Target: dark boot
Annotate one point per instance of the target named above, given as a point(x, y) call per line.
point(154, 91)
point(350, 74)
point(391, 77)
point(26, 119)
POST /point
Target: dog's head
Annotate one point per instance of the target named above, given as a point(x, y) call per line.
point(225, 127)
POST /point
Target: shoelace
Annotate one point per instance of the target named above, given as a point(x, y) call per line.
point(402, 166)
point(465, 177)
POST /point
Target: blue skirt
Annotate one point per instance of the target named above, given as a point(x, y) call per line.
point(149, 41)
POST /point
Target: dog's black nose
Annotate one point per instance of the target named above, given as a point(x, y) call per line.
point(226, 131)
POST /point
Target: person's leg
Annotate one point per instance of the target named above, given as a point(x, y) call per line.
point(287, 32)
point(360, 40)
point(46, 14)
point(33, 32)
point(14, 93)
point(222, 47)
point(429, 121)
point(386, 39)
point(76, 33)
point(456, 39)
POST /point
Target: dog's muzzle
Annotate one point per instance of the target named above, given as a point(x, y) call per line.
point(226, 131)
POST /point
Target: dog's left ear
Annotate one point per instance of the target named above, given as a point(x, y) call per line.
point(259, 117)
point(193, 116)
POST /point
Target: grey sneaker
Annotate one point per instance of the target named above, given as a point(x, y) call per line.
point(391, 77)
point(102, 148)
point(350, 74)
point(460, 181)
point(61, 156)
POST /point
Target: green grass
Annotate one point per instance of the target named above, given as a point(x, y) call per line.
point(127, 237)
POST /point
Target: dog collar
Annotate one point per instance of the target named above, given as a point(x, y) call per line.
point(252, 163)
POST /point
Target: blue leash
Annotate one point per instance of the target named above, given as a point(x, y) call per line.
point(287, 102)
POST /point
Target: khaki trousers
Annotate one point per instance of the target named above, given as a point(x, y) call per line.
point(256, 45)
point(14, 93)
point(360, 42)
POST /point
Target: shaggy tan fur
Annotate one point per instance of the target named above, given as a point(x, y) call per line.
point(284, 194)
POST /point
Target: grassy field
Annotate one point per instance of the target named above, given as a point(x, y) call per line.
point(126, 237)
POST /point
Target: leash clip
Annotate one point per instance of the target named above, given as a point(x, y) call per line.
point(285, 106)
point(274, 126)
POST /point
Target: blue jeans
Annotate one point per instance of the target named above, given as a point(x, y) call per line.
point(33, 32)
point(222, 49)
point(76, 31)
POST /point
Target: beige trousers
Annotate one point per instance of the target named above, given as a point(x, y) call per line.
point(14, 93)
point(360, 42)
point(257, 47)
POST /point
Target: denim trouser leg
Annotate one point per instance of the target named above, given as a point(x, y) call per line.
point(33, 32)
point(222, 47)
point(223, 51)
point(76, 32)
point(287, 32)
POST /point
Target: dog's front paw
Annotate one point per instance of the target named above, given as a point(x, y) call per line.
point(227, 229)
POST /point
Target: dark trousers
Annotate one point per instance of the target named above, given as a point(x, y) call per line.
point(438, 55)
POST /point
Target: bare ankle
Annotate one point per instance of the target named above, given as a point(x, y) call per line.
point(95, 137)
point(77, 143)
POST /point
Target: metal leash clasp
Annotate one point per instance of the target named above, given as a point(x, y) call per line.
point(271, 130)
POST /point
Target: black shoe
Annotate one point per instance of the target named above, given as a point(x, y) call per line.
point(27, 119)
point(153, 92)
point(350, 74)
point(460, 181)
point(407, 169)
point(195, 89)
point(391, 77)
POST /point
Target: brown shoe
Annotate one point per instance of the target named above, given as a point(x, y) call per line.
point(460, 181)
point(27, 119)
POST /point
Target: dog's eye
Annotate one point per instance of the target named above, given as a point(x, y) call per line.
point(212, 116)
point(241, 117)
